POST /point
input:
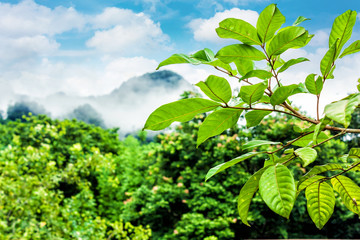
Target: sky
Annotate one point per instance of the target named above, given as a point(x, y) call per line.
point(88, 47)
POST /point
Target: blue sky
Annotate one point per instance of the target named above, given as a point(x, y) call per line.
point(87, 47)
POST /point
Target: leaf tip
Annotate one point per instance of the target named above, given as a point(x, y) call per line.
point(247, 224)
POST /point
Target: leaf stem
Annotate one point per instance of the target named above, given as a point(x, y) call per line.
point(339, 134)
point(291, 142)
point(317, 107)
point(346, 170)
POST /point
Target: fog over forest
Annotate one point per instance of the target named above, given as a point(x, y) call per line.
point(126, 107)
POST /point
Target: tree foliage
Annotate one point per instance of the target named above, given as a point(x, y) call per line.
point(264, 93)
point(56, 178)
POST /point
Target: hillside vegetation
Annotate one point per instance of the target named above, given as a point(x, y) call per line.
point(70, 180)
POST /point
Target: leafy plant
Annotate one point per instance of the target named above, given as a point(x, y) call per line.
point(60, 180)
point(263, 94)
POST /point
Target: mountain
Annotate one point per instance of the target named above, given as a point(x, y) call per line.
point(127, 106)
point(141, 85)
point(148, 87)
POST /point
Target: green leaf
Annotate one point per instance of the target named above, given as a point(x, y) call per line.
point(342, 29)
point(244, 66)
point(217, 122)
point(235, 52)
point(257, 143)
point(289, 38)
point(314, 87)
point(336, 111)
point(273, 159)
point(277, 189)
point(320, 203)
point(219, 63)
point(308, 139)
point(269, 21)
point(349, 192)
point(300, 20)
point(262, 74)
point(353, 48)
point(252, 93)
point(304, 130)
point(216, 88)
point(308, 182)
point(331, 73)
point(254, 117)
point(306, 154)
point(282, 93)
point(246, 194)
point(278, 63)
point(292, 62)
point(341, 111)
point(328, 60)
point(321, 169)
point(300, 89)
point(179, 58)
point(354, 153)
point(205, 56)
point(355, 166)
point(181, 111)
point(319, 127)
point(238, 29)
point(223, 166)
point(265, 99)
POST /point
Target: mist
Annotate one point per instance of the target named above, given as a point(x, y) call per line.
point(126, 107)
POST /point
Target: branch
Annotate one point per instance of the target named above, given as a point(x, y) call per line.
point(262, 109)
point(300, 116)
point(291, 142)
point(344, 171)
point(317, 107)
point(339, 134)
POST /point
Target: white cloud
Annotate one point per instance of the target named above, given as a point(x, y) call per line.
point(112, 16)
point(77, 79)
point(244, 2)
point(29, 19)
point(121, 69)
point(206, 5)
point(320, 39)
point(127, 33)
point(28, 29)
point(204, 29)
point(25, 47)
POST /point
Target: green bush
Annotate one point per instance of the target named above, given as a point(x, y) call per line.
point(52, 182)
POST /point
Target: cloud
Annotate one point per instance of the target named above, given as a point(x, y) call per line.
point(113, 16)
point(206, 5)
point(244, 2)
point(33, 59)
point(320, 39)
point(28, 29)
point(77, 79)
point(121, 69)
point(204, 29)
point(30, 19)
point(26, 47)
point(127, 33)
